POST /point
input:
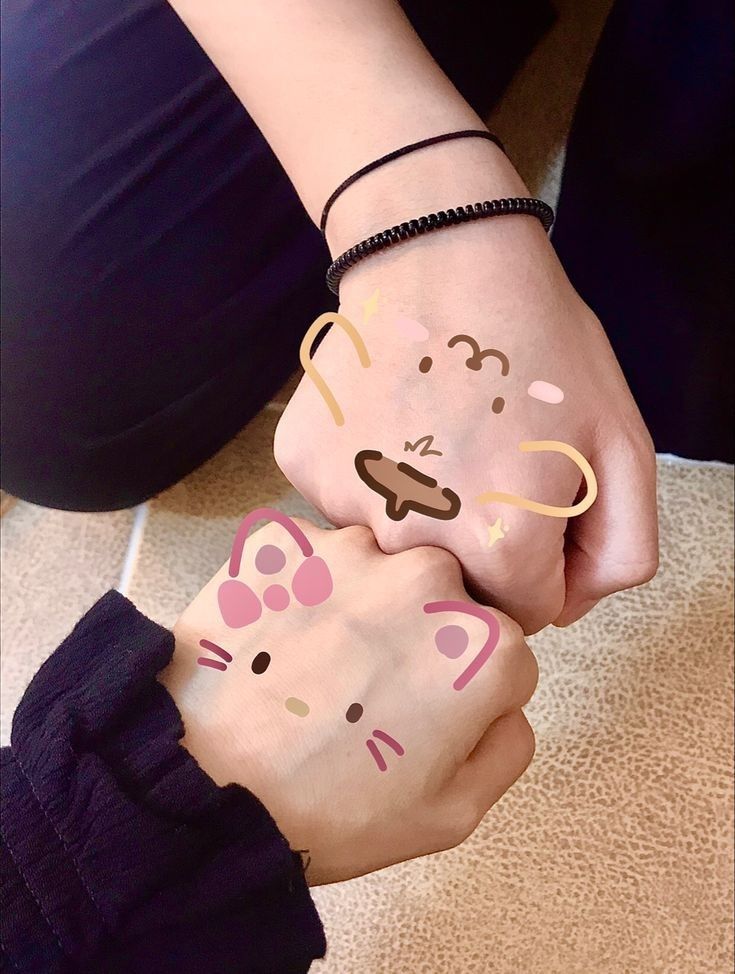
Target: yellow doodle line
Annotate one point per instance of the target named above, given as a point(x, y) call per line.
point(328, 318)
point(553, 446)
point(370, 307)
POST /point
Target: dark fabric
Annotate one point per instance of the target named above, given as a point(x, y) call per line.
point(119, 855)
point(646, 215)
point(158, 268)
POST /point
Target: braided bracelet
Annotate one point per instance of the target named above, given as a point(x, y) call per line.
point(435, 221)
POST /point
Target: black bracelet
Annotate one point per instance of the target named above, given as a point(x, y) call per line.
point(434, 221)
point(396, 154)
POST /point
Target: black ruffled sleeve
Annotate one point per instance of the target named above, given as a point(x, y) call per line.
point(119, 854)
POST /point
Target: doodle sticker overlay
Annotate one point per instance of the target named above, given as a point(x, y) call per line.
point(215, 664)
point(390, 742)
point(354, 713)
point(410, 329)
point(370, 306)
point(426, 443)
point(551, 446)
point(451, 641)
point(261, 663)
point(405, 488)
point(311, 584)
point(297, 707)
point(496, 532)
point(546, 392)
point(478, 356)
point(330, 317)
point(477, 612)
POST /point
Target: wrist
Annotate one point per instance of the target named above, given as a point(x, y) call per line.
point(440, 176)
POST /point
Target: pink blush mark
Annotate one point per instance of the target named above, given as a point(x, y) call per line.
point(269, 559)
point(238, 604)
point(312, 584)
point(451, 641)
point(276, 598)
point(545, 392)
point(410, 329)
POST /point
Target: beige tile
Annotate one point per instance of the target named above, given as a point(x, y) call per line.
point(613, 855)
point(191, 526)
point(55, 565)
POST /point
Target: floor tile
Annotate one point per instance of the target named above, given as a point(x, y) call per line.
point(55, 565)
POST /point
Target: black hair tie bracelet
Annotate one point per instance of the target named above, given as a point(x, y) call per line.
point(435, 221)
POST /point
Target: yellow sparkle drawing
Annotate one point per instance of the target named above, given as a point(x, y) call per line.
point(496, 532)
point(370, 307)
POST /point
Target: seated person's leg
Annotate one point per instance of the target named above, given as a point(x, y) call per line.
point(158, 268)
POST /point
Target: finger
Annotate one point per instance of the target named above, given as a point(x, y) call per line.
point(500, 758)
point(523, 572)
point(614, 546)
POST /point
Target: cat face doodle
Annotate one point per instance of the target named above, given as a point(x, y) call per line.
point(238, 609)
point(403, 485)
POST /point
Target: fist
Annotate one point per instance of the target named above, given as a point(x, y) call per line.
point(364, 698)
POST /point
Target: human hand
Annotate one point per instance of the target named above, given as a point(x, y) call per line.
point(366, 743)
point(425, 309)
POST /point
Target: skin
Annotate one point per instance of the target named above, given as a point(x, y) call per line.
point(498, 281)
point(369, 643)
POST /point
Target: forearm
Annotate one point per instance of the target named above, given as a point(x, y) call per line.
point(333, 85)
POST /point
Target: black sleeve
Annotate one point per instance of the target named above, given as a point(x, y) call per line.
point(118, 853)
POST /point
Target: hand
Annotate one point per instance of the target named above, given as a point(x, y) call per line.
point(403, 748)
point(498, 283)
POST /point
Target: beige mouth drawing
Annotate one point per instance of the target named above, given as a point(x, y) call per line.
point(405, 488)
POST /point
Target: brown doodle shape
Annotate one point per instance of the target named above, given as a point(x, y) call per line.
point(475, 360)
point(405, 488)
point(426, 443)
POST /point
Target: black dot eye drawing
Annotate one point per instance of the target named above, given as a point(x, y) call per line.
point(498, 404)
point(425, 364)
point(261, 663)
point(354, 713)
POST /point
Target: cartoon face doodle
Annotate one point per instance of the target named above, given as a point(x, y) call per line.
point(450, 640)
point(403, 486)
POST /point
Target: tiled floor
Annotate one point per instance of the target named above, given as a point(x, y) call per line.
point(614, 853)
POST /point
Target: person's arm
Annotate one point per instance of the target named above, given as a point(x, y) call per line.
point(118, 852)
point(132, 837)
point(333, 86)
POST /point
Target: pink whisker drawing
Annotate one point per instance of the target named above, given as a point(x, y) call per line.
point(215, 664)
point(386, 739)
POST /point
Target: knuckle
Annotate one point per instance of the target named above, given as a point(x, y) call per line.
point(525, 744)
point(358, 535)
point(283, 452)
point(462, 820)
point(391, 536)
point(629, 574)
point(429, 563)
point(523, 678)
